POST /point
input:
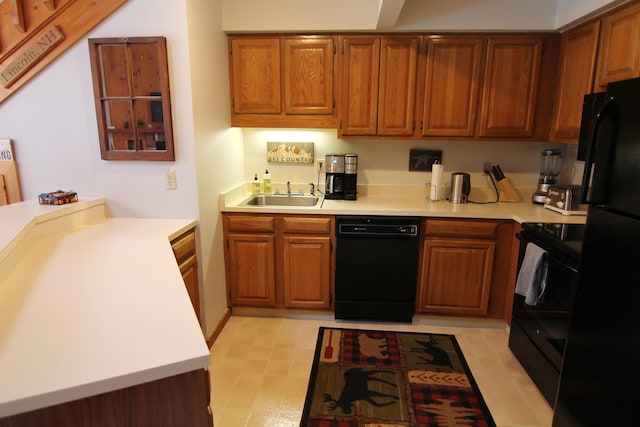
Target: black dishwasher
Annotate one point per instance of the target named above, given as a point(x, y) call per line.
point(376, 267)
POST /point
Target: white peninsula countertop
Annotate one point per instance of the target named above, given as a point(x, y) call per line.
point(89, 304)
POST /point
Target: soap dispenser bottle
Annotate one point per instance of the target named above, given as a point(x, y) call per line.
point(266, 182)
point(255, 186)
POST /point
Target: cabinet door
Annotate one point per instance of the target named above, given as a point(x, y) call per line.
point(189, 270)
point(397, 88)
point(453, 72)
point(307, 271)
point(360, 68)
point(255, 75)
point(577, 65)
point(456, 276)
point(250, 269)
point(308, 75)
point(510, 86)
point(619, 53)
point(184, 249)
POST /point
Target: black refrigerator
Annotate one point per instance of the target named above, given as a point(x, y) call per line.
point(600, 376)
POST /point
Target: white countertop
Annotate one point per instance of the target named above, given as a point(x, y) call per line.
point(91, 304)
point(408, 201)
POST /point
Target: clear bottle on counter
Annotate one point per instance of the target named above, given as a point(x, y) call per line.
point(255, 185)
point(266, 182)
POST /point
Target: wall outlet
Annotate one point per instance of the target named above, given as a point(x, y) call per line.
point(486, 166)
point(319, 165)
point(170, 180)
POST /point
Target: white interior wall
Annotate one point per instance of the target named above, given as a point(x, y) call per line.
point(53, 123)
point(415, 15)
point(283, 15)
point(387, 162)
point(485, 15)
point(570, 11)
point(219, 148)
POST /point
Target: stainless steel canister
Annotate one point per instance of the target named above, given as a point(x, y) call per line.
point(460, 187)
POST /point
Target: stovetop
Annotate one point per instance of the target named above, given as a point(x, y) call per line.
point(566, 238)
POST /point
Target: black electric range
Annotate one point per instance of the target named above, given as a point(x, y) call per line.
point(563, 238)
point(538, 332)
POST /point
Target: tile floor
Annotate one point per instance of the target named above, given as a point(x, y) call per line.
point(260, 369)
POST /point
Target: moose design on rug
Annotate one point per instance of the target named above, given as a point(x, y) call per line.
point(356, 387)
point(373, 347)
point(438, 356)
point(391, 378)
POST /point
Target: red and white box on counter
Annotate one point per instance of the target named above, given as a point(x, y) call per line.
point(58, 197)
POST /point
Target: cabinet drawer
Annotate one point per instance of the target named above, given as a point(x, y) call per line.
point(184, 246)
point(249, 223)
point(305, 225)
point(468, 229)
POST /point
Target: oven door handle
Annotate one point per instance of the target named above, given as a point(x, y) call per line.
point(547, 260)
point(562, 264)
point(557, 260)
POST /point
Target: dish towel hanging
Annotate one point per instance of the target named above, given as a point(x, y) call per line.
point(532, 278)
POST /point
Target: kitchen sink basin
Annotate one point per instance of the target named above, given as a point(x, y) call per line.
point(282, 200)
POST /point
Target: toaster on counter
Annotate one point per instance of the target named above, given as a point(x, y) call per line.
point(565, 199)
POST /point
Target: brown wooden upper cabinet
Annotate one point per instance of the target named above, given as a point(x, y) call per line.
point(619, 51)
point(452, 86)
point(575, 79)
point(132, 99)
point(283, 81)
point(478, 86)
point(377, 85)
point(510, 91)
point(486, 87)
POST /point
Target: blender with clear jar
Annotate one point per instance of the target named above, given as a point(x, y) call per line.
point(550, 167)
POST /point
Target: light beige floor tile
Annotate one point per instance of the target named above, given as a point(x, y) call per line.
point(278, 367)
point(260, 370)
point(230, 417)
point(273, 384)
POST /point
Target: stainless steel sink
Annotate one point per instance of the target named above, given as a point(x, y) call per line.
point(282, 200)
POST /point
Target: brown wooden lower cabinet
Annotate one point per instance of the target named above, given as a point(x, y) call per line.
point(184, 249)
point(180, 400)
point(251, 269)
point(306, 271)
point(456, 276)
point(279, 261)
point(286, 261)
point(464, 267)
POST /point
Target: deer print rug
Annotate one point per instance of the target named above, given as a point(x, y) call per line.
point(364, 378)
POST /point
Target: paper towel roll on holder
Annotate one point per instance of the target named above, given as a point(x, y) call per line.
point(435, 189)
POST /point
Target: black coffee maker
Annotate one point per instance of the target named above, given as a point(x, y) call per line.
point(350, 176)
point(335, 176)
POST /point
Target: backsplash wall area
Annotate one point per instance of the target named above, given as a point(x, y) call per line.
point(387, 162)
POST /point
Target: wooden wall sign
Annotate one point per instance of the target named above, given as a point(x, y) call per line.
point(12, 192)
point(29, 54)
point(33, 33)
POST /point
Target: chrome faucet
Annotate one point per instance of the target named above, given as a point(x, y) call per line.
point(288, 188)
point(312, 191)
